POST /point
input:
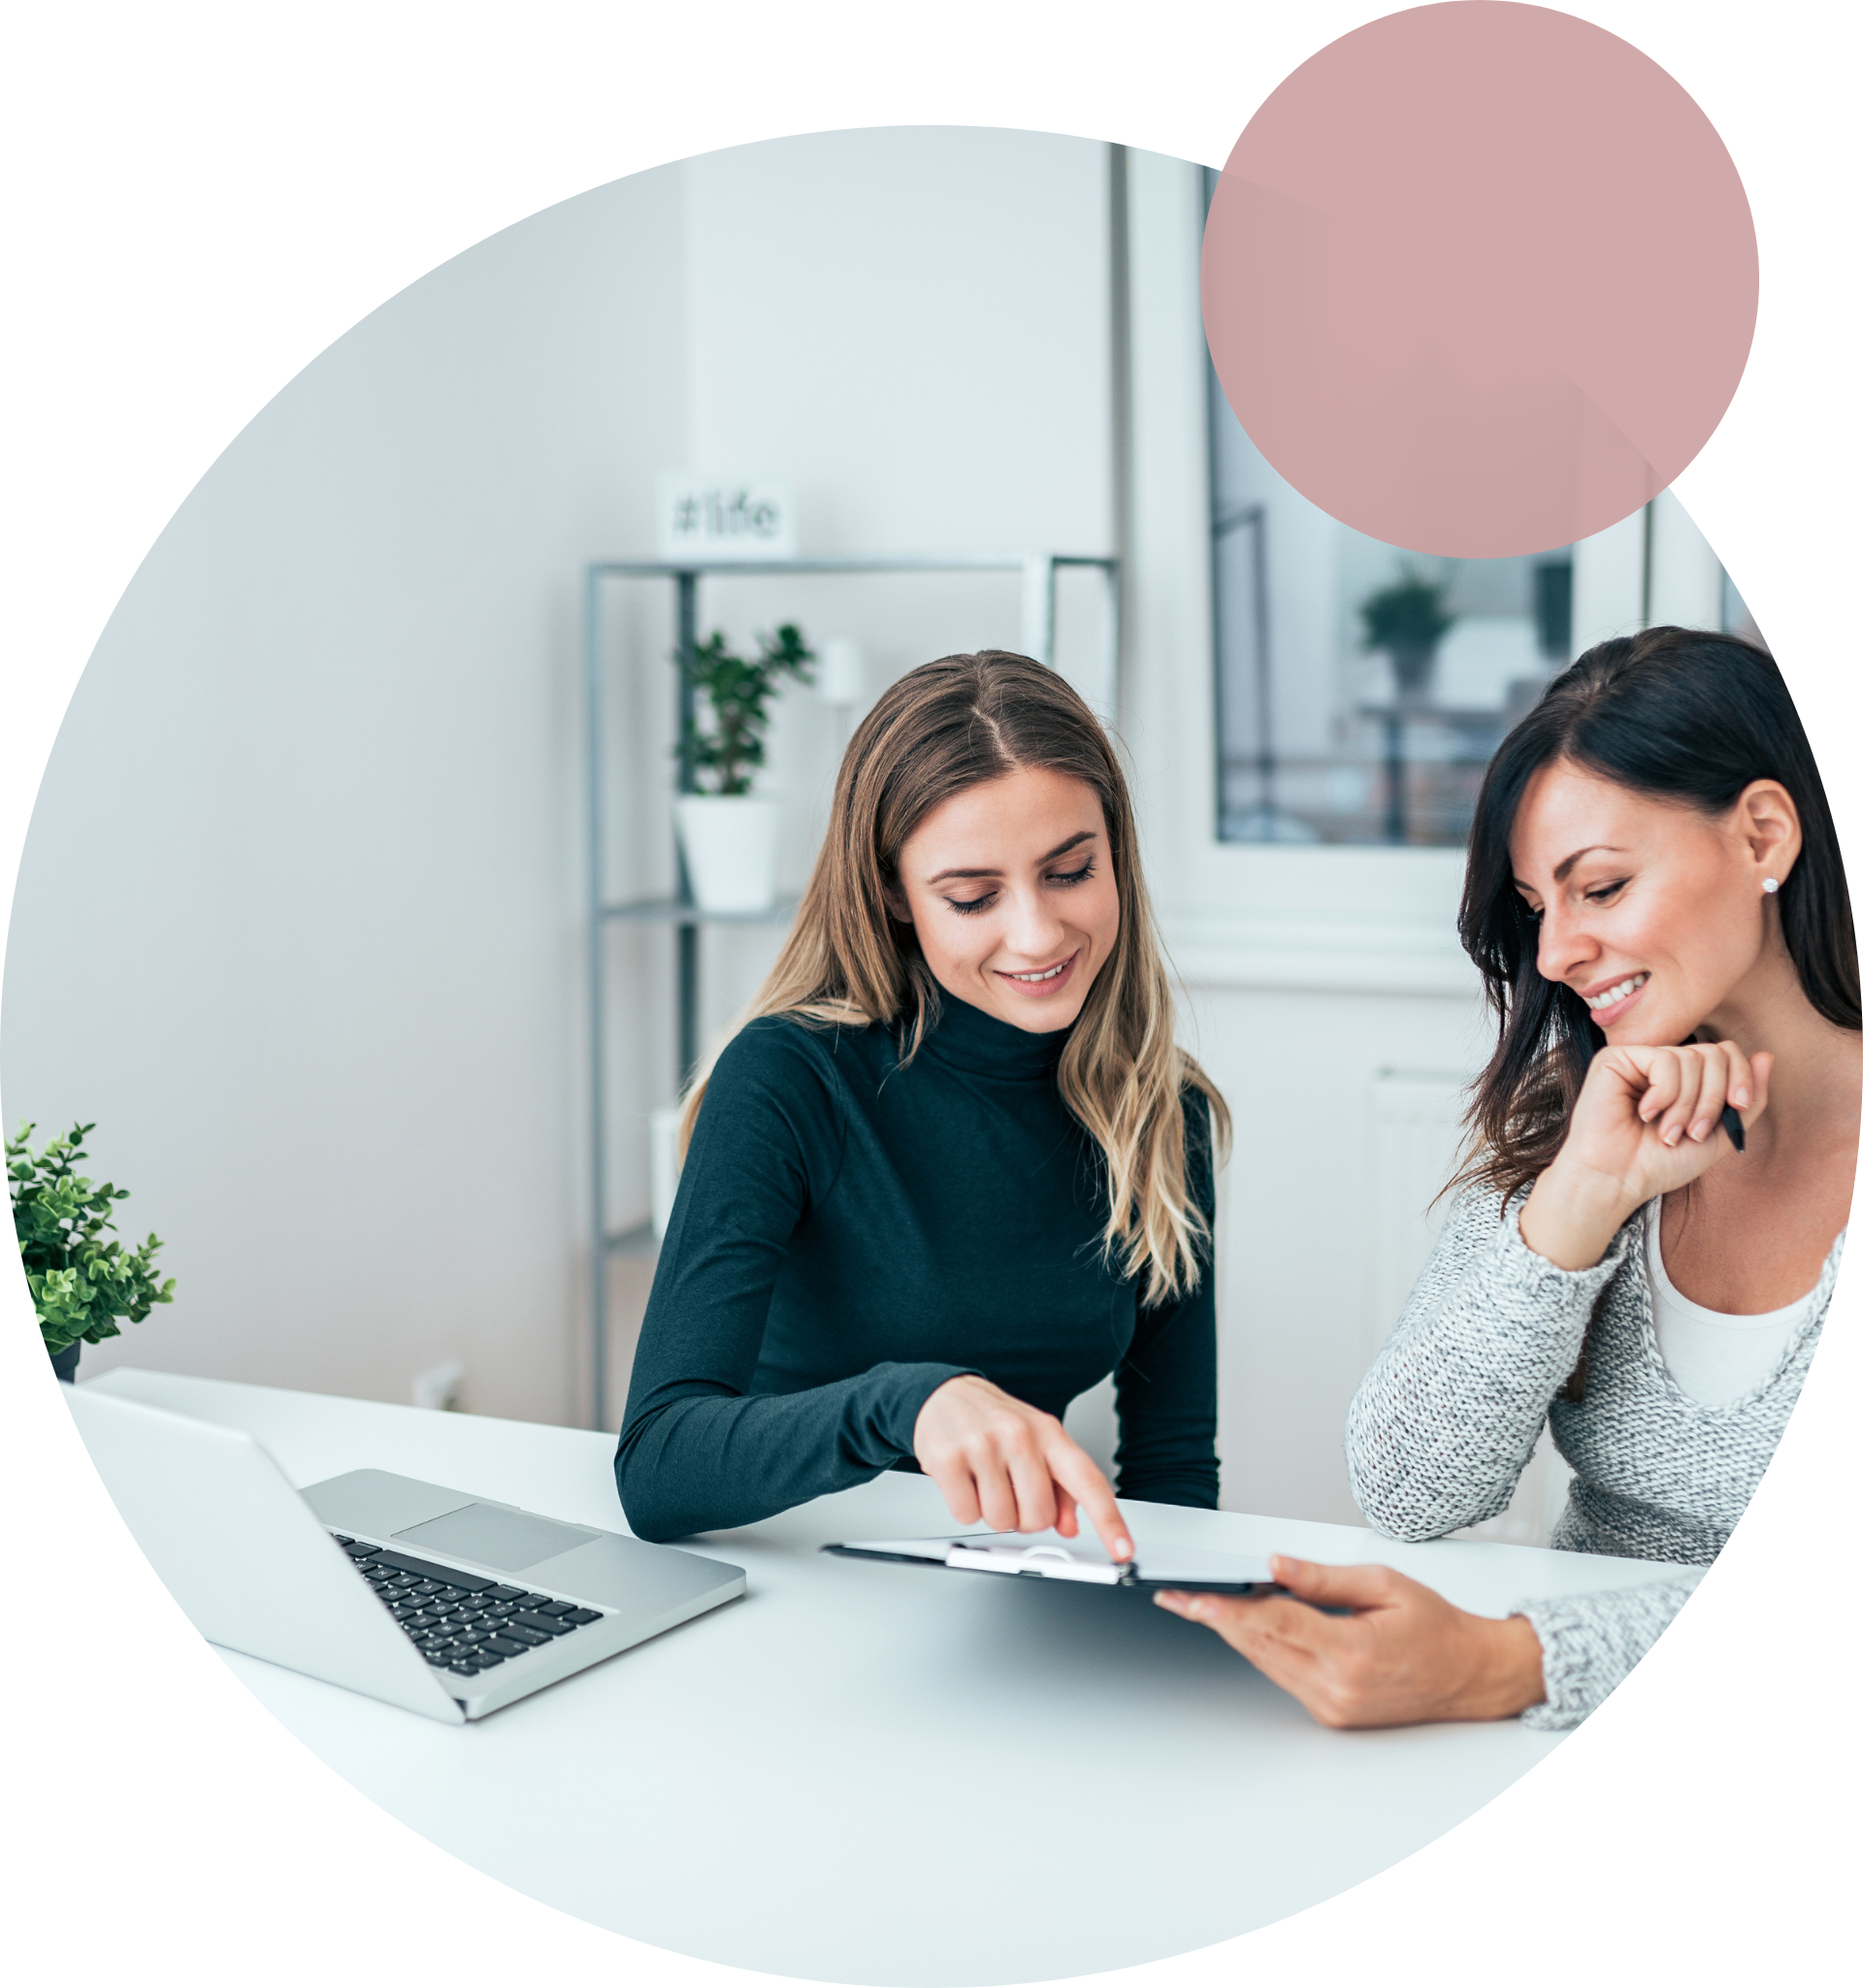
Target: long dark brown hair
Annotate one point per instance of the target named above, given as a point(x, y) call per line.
point(1682, 714)
point(941, 729)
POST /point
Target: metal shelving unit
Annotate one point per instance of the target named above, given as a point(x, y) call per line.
point(1038, 572)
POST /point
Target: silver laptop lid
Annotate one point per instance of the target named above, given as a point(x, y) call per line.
point(244, 1556)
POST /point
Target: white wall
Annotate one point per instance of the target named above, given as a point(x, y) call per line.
point(297, 924)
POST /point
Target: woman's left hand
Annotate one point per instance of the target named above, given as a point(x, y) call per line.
point(1403, 1655)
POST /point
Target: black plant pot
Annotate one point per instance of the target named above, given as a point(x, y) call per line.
point(1413, 666)
point(65, 1364)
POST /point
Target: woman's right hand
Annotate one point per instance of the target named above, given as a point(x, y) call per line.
point(997, 1460)
point(1647, 1121)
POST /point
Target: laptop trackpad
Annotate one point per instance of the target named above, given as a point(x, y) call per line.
point(496, 1536)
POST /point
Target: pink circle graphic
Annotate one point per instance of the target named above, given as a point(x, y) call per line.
point(1479, 279)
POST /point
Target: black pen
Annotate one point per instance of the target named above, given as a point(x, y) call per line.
point(1730, 1124)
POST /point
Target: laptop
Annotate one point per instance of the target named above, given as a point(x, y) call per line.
point(425, 1597)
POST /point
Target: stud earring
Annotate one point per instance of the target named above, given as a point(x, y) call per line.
point(1771, 887)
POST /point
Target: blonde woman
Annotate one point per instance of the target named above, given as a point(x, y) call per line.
point(952, 1169)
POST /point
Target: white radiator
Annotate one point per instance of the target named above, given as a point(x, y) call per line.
point(1416, 1137)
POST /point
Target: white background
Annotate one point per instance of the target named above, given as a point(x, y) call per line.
point(203, 199)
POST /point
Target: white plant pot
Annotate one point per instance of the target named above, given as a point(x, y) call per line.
point(730, 846)
point(662, 1152)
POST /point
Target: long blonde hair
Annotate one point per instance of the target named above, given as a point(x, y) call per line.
point(941, 729)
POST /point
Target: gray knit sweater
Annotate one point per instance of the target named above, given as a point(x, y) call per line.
point(1444, 1423)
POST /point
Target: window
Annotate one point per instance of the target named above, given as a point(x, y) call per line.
point(1361, 689)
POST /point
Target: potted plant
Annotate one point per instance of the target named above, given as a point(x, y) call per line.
point(728, 838)
point(80, 1284)
point(1408, 620)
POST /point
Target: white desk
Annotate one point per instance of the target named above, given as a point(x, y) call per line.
point(887, 1774)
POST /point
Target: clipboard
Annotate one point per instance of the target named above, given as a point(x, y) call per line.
point(1047, 1557)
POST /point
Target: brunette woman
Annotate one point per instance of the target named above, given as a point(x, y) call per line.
point(953, 1169)
point(1658, 905)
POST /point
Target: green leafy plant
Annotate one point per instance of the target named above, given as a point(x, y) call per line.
point(737, 692)
point(1408, 615)
point(80, 1284)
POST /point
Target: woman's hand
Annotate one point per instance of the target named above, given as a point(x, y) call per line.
point(1401, 1657)
point(1647, 1121)
point(997, 1460)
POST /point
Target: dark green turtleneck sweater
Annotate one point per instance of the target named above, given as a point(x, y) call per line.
point(851, 1233)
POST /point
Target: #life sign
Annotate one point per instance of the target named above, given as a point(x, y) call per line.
point(708, 518)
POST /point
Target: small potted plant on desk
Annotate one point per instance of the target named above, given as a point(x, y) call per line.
point(1408, 620)
point(80, 1284)
point(729, 840)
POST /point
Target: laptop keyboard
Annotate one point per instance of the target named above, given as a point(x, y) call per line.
point(462, 1623)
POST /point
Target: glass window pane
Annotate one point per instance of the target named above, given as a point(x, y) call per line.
point(1361, 689)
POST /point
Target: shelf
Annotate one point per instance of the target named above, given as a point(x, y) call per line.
point(668, 911)
point(1037, 572)
point(853, 562)
point(1463, 717)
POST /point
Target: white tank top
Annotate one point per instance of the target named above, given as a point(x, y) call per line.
point(1713, 1356)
